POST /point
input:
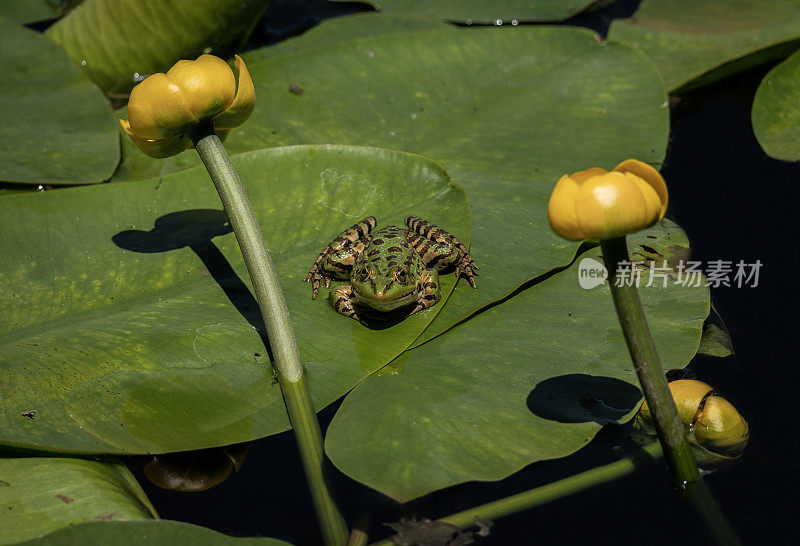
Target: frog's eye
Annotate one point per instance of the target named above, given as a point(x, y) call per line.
point(367, 273)
point(400, 275)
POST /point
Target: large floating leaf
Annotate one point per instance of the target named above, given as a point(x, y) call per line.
point(345, 29)
point(146, 533)
point(512, 103)
point(30, 11)
point(776, 111)
point(530, 379)
point(123, 337)
point(115, 41)
point(56, 126)
point(41, 495)
point(481, 11)
point(508, 110)
point(693, 43)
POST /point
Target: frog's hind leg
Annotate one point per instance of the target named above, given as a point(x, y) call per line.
point(440, 249)
point(431, 290)
point(341, 299)
point(338, 257)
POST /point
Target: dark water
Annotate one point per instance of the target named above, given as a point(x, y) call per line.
point(736, 204)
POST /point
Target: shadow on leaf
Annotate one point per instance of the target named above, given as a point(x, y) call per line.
point(195, 229)
point(580, 398)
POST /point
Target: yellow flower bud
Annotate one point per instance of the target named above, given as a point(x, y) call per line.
point(164, 107)
point(720, 428)
point(688, 394)
point(717, 432)
point(596, 204)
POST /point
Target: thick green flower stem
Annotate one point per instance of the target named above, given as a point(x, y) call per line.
point(671, 430)
point(556, 490)
point(291, 374)
point(552, 491)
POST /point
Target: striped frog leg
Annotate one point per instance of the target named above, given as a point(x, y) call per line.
point(440, 249)
point(336, 260)
point(342, 301)
point(431, 291)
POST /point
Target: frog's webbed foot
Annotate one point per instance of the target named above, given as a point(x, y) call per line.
point(431, 291)
point(423, 304)
point(440, 249)
point(315, 278)
point(465, 268)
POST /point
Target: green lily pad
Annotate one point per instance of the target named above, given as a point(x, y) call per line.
point(30, 11)
point(507, 110)
point(776, 111)
point(116, 42)
point(56, 126)
point(345, 29)
point(715, 342)
point(146, 533)
point(125, 337)
point(694, 43)
point(41, 495)
point(530, 379)
point(480, 11)
point(512, 103)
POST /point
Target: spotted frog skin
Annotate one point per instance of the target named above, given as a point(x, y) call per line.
point(389, 269)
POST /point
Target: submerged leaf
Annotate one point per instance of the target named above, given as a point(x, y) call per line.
point(424, 532)
point(192, 471)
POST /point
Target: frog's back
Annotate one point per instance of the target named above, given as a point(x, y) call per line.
point(386, 247)
point(388, 233)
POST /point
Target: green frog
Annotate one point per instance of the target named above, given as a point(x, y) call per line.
point(389, 269)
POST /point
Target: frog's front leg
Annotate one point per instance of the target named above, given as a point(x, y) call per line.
point(440, 249)
point(336, 259)
point(342, 300)
point(430, 290)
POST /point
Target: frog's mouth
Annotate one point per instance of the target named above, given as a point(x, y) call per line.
point(383, 302)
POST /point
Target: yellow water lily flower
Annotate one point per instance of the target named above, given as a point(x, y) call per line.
point(165, 107)
point(597, 204)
